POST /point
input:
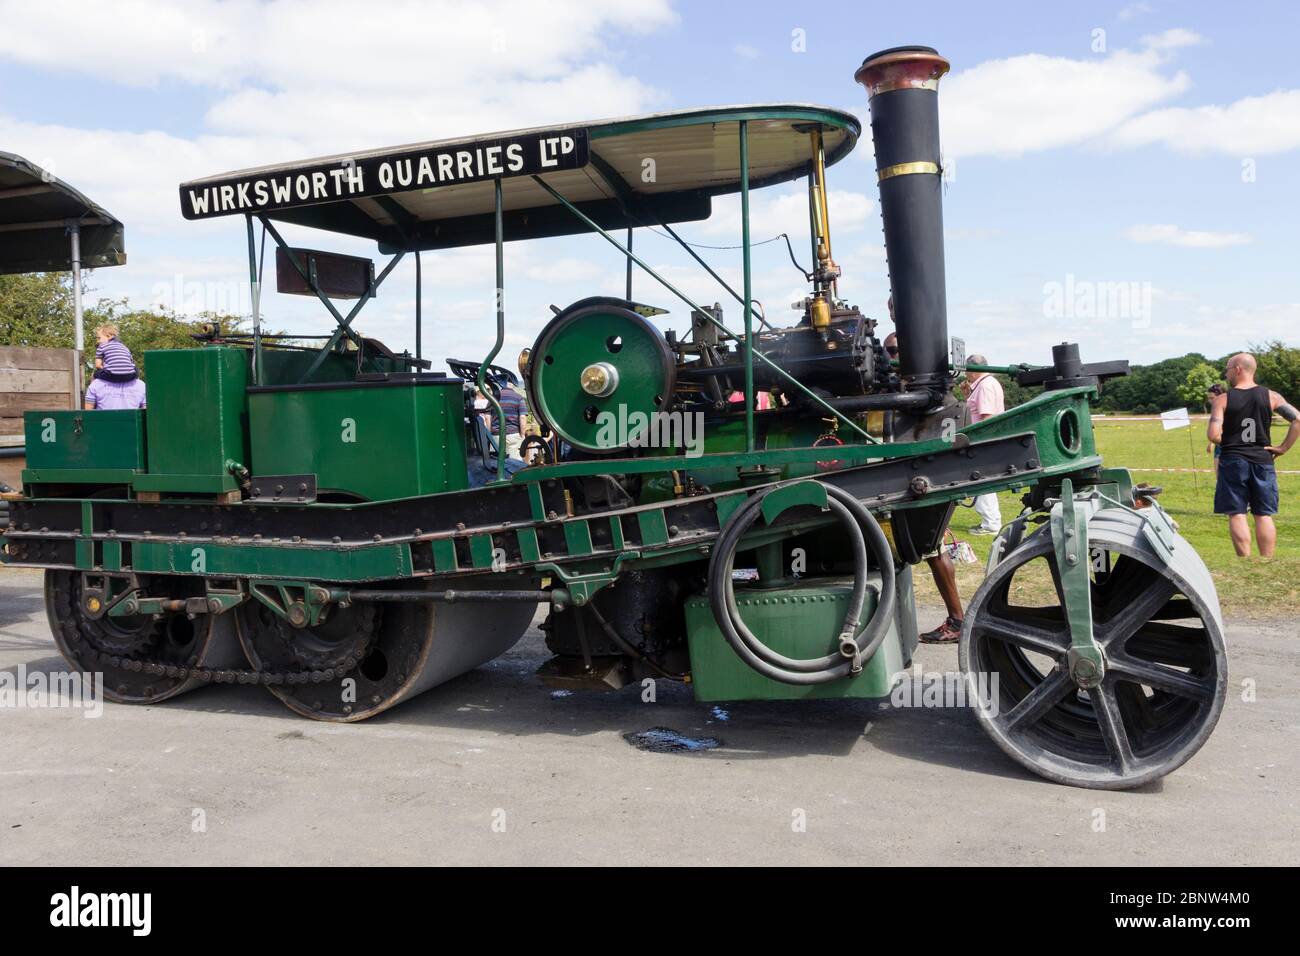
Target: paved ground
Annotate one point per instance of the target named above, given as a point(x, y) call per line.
point(426, 782)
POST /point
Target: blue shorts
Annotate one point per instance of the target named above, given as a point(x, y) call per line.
point(1245, 486)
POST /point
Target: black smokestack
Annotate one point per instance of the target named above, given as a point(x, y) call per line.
point(903, 89)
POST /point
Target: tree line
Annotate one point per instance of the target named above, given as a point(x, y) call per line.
point(36, 310)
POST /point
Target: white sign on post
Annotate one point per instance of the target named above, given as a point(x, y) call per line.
point(1175, 418)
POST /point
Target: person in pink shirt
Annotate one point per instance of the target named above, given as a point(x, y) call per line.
point(106, 395)
point(762, 400)
point(984, 399)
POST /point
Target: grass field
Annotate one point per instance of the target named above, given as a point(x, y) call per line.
point(1248, 587)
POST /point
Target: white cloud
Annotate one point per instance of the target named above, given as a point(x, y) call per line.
point(1021, 104)
point(1134, 10)
point(1252, 126)
point(772, 212)
point(566, 269)
point(1191, 238)
point(384, 45)
point(1174, 39)
point(746, 51)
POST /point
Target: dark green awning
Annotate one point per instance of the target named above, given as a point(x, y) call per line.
point(36, 212)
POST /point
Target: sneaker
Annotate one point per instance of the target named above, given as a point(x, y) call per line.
point(980, 529)
point(949, 632)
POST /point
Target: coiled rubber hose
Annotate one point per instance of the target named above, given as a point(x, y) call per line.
point(857, 644)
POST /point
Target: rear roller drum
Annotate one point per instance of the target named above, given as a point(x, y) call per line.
point(144, 659)
point(376, 654)
point(1161, 636)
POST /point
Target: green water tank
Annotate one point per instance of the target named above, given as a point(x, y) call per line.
point(197, 419)
point(390, 436)
point(801, 621)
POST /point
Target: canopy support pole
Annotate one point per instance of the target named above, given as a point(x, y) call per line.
point(419, 296)
point(501, 333)
point(255, 284)
point(78, 328)
point(749, 314)
point(590, 224)
point(629, 265)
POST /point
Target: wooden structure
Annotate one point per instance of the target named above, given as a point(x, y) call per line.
point(31, 379)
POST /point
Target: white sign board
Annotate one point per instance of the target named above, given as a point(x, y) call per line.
point(1175, 418)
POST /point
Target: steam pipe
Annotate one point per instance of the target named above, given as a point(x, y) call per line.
point(918, 400)
point(902, 86)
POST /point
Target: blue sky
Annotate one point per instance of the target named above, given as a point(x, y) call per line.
point(1152, 147)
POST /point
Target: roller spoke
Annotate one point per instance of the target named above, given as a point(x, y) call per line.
point(1159, 677)
point(1034, 705)
point(1026, 634)
point(1056, 579)
point(1177, 609)
point(1125, 621)
point(1166, 644)
point(1113, 732)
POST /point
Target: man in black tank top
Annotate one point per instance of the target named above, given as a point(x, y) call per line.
point(1240, 424)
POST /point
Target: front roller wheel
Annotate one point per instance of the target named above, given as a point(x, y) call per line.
point(1161, 635)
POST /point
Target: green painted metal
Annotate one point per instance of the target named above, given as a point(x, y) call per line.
point(747, 267)
point(481, 550)
point(302, 603)
point(638, 356)
point(653, 528)
point(1069, 530)
point(529, 548)
point(379, 440)
point(93, 442)
point(577, 537)
point(289, 366)
point(1044, 415)
point(273, 560)
point(197, 418)
point(790, 496)
point(185, 484)
point(444, 555)
point(80, 476)
point(800, 621)
point(847, 454)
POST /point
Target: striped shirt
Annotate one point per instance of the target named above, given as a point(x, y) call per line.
point(116, 357)
point(512, 403)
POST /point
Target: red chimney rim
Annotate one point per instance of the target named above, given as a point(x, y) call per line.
point(903, 67)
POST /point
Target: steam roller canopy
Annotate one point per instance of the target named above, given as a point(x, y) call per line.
point(597, 373)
